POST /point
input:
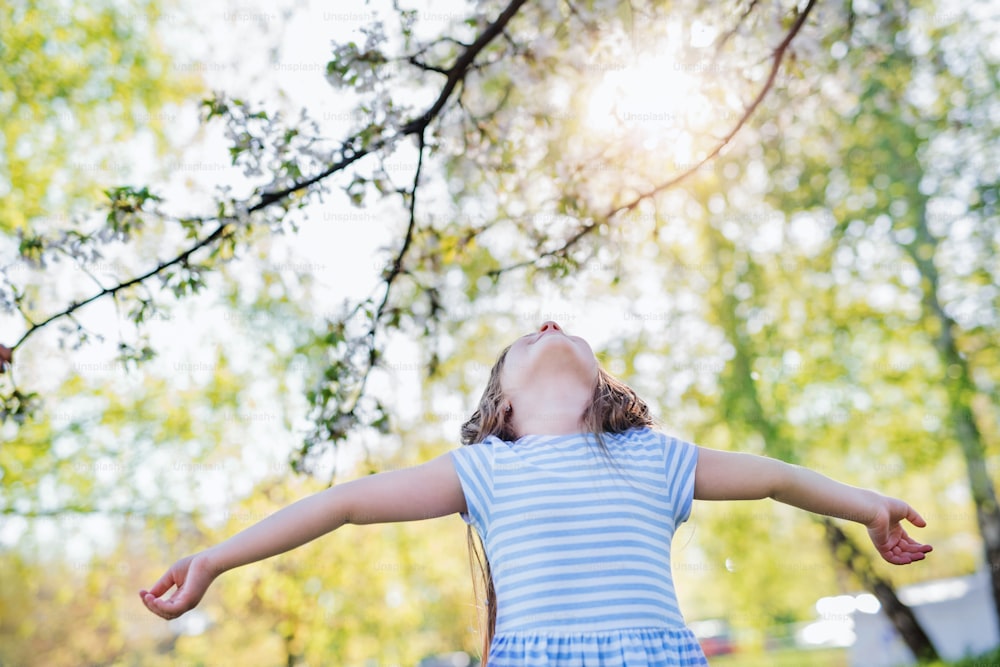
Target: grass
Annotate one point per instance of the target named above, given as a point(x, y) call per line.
point(832, 658)
point(991, 659)
point(836, 657)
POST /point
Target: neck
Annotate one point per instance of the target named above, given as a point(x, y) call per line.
point(551, 408)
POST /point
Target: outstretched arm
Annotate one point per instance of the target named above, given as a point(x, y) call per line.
point(422, 492)
point(724, 475)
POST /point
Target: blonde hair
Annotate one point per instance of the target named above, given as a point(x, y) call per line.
point(615, 408)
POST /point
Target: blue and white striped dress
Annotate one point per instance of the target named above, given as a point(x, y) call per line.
point(580, 546)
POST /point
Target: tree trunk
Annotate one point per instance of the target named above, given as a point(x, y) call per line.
point(901, 616)
point(960, 391)
point(291, 657)
point(752, 412)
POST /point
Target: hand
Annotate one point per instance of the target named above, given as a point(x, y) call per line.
point(192, 577)
point(888, 535)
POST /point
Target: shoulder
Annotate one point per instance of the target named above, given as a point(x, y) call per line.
point(481, 453)
point(641, 437)
point(647, 434)
point(675, 451)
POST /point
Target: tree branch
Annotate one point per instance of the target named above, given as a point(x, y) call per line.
point(462, 64)
point(732, 31)
point(162, 266)
point(413, 60)
point(397, 265)
point(78, 511)
point(393, 272)
point(415, 126)
point(776, 59)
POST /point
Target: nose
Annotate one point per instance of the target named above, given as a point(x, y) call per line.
point(548, 325)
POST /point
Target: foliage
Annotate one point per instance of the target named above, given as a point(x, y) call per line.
point(63, 66)
point(759, 245)
point(474, 118)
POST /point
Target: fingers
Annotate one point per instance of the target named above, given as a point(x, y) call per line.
point(151, 598)
point(906, 551)
point(904, 559)
point(900, 556)
point(152, 603)
point(190, 586)
point(889, 537)
point(168, 609)
point(913, 517)
point(163, 584)
point(913, 544)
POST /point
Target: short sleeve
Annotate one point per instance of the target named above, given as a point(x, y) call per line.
point(474, 465)
point(681, 460)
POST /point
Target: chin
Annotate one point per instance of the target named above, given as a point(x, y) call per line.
point(566, 353)
point(547, 356)
point(571, 344)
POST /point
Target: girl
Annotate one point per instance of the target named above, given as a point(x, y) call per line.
point(575, 500)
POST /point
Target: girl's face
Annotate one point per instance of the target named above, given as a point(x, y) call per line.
point(545, 353)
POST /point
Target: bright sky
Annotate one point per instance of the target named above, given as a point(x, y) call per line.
point(339, 244)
